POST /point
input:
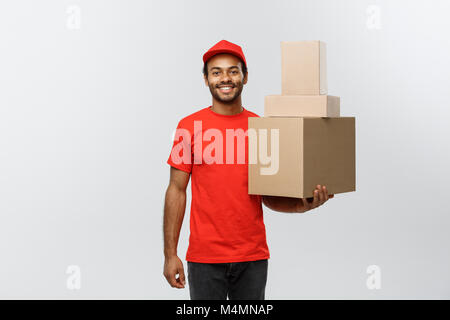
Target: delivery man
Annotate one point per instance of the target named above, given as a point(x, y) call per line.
point(227, 254)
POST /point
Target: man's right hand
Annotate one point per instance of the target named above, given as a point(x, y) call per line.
point(173, 266)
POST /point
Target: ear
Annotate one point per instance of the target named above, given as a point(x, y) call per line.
point(245, 78)
point(206, 80)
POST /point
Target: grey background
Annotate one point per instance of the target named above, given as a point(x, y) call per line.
point(87, 116)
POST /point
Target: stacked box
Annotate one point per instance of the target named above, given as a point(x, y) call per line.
point(302, 140)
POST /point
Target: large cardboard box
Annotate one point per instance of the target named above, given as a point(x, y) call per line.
point(303, 67)
point(301, 106)
point(289, 156)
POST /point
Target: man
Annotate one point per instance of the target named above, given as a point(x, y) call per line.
point(227, 254)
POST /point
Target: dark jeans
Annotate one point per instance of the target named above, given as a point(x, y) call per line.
point(237, 280)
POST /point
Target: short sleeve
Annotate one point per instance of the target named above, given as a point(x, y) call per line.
point(181, 156)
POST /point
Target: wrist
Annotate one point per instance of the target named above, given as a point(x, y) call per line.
point(170, 254)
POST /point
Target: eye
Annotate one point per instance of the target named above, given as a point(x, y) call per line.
point(215, 72)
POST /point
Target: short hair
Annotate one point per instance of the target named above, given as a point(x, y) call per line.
point(205, 68)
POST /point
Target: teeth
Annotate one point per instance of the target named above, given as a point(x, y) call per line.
point(225, 88)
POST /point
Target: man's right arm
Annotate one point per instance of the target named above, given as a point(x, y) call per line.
point(174, 208)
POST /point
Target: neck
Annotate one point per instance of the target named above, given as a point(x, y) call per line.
point(227, 109)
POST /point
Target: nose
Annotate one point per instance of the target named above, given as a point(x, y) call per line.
point(225, 78)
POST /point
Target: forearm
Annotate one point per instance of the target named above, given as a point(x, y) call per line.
point(174, 207)
point(282, 204)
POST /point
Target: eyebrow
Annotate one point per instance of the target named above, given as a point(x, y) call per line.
point(232, 67)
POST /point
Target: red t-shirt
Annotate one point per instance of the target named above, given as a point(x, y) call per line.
point(226, 223)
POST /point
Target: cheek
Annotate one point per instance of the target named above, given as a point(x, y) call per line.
point(212, 82)
point(238, 80)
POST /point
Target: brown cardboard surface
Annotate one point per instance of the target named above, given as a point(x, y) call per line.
point(311, 151)
point(301, 106)
point(303, 68)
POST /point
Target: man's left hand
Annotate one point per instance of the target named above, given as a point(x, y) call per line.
point(320, 197)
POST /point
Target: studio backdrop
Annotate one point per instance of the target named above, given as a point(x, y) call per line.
point(91, 92)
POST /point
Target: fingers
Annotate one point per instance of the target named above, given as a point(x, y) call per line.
point(321, 194)
point(180, 281)
point(315, 202)
point(327, 196)
point(172, 279)
point(171, 271)
point(326, 193)
point(182, 278)
point(175, 282)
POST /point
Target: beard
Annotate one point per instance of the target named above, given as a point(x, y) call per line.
point(226, 98)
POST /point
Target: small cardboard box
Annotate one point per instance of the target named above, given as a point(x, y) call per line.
point(301, 106)
point(303, 68)
point(289, 156)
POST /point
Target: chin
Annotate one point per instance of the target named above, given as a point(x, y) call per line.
point(227, 99)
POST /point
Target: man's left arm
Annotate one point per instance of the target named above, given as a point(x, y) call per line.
point(297, 205)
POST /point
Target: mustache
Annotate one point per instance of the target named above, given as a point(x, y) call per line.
point(226, 85)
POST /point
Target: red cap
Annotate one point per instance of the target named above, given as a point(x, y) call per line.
point(225, 46)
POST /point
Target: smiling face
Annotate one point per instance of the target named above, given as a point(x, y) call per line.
point(225, 78)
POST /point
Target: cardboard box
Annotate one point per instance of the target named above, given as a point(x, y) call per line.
point(301, 106)
point(308, 151)
point(303, 68)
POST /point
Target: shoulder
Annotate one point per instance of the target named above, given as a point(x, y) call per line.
point(252, 114)
point(188, 121)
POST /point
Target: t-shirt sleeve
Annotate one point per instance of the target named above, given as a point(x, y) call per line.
point(181, 156)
